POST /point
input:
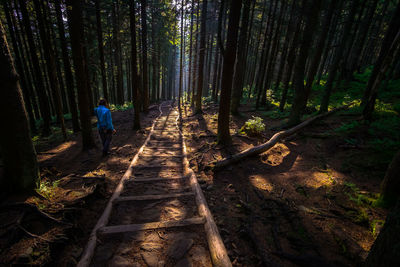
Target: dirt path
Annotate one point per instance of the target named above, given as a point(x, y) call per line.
point(155, 220)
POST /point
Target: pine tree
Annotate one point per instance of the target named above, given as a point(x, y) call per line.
point(21, 170)
point(75, 21)
point(224, 136)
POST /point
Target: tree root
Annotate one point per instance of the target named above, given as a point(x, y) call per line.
point(33, 208)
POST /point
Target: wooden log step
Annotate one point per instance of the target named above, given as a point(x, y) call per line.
point(166, 130)
point(157, 179)
point(152, 197)
point(161, 156)
point(155, 148)
point(115, 229)
point(164, 143)
point(158, 166)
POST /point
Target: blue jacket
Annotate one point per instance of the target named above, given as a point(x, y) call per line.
point(104, 120)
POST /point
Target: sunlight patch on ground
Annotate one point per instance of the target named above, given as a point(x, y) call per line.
point(98, 172)
point(57, 150)
point(275, 155)
point(261, 183)
point(319, 179)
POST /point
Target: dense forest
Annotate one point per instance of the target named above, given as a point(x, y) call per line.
point(283, 115)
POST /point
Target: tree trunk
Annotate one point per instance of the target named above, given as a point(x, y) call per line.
point(380, 76)
point(224, 136)
point(101, 50)
point(181, 62)
point(362, 37)
point(190, 88)
point(51, 67)
point(319, 48)
point(39, 83)
point(20, 67)
point(253, 71)
point(75, 21)
point(338, 56)
point(145, 88)
point(388, 48)
point(200, 64)
point(117, 53)
point(273, 54)
point(291, 58)
point(328, 45)
point(22, 43)
point(153, 54)
point(19, 156)
point(265, 52)
point(241, 61)
point(300, 96)
point(386, 249)
point(135, 78)
point(286, 42)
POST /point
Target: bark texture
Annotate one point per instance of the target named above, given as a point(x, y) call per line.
point(21, 170)
point(224, 136)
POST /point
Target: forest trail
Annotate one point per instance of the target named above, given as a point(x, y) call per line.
point(156, 220)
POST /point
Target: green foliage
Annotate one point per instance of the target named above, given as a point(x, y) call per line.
point(253, 127)
point(125, 106)
point(46, 188)
point(361, 198)
point(207, 100)
point(359, 216)
point(375, 225)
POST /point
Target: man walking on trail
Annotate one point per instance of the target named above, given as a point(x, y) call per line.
point(104, 124)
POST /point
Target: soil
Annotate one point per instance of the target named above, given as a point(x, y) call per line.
point(297, 204)
point(294, 205)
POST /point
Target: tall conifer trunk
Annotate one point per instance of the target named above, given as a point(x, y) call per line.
point(20, 68)
point(145, 89)
point(224, 136)
point(51, 67)
point(299, 70)
point(74, 10)
point(241, 61)
point(101, 50)
point(338, 56)
point(200, 64)
point(20, 165)
point(134, 75)
point(39, 82)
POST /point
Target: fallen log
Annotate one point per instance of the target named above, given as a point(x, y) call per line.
point(253, 151)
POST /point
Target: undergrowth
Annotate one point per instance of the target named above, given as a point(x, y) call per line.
point(253, 127)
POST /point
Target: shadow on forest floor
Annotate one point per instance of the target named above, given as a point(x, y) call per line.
point(295, 204)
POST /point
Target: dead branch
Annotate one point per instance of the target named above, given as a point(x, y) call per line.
point(253, 151)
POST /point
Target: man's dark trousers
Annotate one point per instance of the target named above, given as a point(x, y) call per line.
point(106, 136)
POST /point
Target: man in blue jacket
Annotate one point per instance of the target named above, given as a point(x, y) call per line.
point(104, 124)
